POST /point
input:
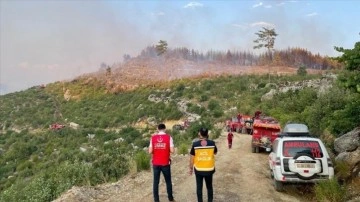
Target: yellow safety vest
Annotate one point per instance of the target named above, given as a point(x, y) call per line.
point(204, 159)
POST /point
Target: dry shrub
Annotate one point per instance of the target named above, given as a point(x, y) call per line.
point(330, 191)
point(342, 170)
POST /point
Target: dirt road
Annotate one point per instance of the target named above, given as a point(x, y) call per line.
point(240, 176)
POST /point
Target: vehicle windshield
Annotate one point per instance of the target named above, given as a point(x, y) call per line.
point(293, 147)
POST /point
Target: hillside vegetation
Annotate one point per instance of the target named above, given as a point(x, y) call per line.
point(38, 164)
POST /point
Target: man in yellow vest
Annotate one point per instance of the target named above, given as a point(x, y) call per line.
point(202, 162)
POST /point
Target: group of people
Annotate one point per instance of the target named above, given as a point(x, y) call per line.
point(202, 162)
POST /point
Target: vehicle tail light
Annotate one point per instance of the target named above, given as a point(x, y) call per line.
point(277, 161)
point(330, 163)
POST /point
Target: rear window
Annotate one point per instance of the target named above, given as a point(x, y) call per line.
point(293, 147)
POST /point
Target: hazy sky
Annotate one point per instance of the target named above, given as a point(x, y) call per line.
point(50, 40)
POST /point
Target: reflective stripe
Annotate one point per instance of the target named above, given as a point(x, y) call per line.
point(204, 169)
point(204, 147)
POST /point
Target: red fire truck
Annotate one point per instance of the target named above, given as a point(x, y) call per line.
point(265, 131)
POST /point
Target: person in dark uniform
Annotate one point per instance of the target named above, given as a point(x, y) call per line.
point(202, 162)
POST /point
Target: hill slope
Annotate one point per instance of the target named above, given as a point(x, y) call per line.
point(147, 71)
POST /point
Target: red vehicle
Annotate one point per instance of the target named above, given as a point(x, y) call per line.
point(56, 126)
point(240, 123)
point(234, 125)
point(182, 126)
point(265, 131)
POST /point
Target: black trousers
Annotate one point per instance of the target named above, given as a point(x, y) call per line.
point(166, 171)
point(199, 186)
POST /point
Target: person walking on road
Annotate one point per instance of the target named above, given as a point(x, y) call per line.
point(161, 145)
point(202, 162)
point(230, 139)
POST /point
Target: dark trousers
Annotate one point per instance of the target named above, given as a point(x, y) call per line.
point(199, 186)
point(166, 171)
point(230, 143)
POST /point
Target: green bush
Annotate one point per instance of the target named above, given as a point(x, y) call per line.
point(215, 133)
point(47, 187)
point(217, 113)
point(142, 160)
point(204, 98)
point(301, 71)
point(180, 87)
point(193, 108)
point(141, 143)
point(213, 104)
point(343, 170)
point(330, 191)
point(183, 149)
point(345, 118)
point(130, 134)
point(261, 85)
point(193, 130)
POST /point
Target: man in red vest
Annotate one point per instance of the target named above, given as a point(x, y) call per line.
point(161, 145)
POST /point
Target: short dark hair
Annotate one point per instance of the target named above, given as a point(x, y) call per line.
point(161, 126)
point(203, 132)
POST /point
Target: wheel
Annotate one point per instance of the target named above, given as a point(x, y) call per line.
point(305, 157)
point(257, 149)
point(243, 131)
point(279, 186)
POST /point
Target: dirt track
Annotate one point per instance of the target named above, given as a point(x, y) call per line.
point(240, 176)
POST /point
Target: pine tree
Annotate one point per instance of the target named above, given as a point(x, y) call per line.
point(266, 38)
point(161, 47)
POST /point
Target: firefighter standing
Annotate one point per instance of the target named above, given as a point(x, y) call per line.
point(230, 139)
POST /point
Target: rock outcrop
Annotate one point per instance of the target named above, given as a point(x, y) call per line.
point(347, 148)
point(181, 104)
point(320, 84)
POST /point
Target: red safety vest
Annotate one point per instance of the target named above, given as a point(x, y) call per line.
point(161, 149)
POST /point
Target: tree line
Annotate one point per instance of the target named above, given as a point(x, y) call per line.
point(293, 57)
